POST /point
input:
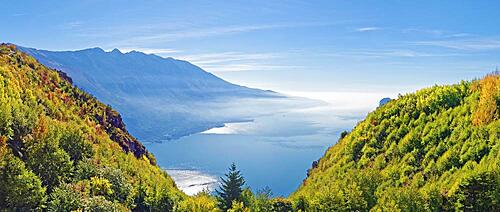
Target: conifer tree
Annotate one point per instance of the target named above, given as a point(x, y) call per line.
point(230, 188)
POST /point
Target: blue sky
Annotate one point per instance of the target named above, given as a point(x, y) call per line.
point(310, 48)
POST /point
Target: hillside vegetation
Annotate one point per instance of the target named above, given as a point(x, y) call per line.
point(62, 150)
point(433, 150)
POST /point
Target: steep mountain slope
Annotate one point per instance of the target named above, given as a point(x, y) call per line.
point(433, 150)
point(61, 149)
point(160, 98)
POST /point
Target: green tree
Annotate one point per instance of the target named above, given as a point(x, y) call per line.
point(85, 169)
point(162, 201)
point(99, 203)
point(262, 200)
point(238, 207)
point(48, 161)
point(100, 187)
point(247, 197)
point(75, 145)
point(119, 185)
point(478, 192)
point(301, 204)
point(400, 199)
point(141, 200)
point(20, 189)
point(64, 198)
point(281, 205)
point(230, 188)
point(200, 202)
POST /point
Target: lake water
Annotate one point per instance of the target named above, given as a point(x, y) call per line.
point(275, 149)
point(197, 161)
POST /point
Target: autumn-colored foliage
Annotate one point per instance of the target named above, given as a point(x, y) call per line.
point(61, 149)
point(434, 150)
point(489, 100)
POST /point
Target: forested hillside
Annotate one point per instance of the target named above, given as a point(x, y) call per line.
point(62, 150)
point(433, 150)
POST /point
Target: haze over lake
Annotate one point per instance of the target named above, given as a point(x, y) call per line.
point(197, 124)
point(263, 147)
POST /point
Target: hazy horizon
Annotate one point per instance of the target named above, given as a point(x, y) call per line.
point(314, 49)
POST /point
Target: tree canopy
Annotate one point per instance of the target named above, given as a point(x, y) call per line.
point(230, 188)
point(61, 149)
point(433, 150)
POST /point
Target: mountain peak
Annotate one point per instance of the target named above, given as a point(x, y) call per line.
point(95, 49)
point(116, 51)
point(135, 52)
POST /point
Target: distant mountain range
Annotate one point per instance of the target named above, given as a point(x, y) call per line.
point(160, 98)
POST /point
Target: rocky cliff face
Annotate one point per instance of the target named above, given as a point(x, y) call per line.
point(113, 124)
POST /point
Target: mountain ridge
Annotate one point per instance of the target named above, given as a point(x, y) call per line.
point(152, 92)
point(116, 51)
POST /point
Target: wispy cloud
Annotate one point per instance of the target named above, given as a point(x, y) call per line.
point(72, 25)
point(268, 61)
point(368, 29)
point(158, 51)
point(388, 53)
point(248, 67)
point(479, 44)
point(126, 31)
point(237, 61)
point(156, 33)
point(197, 32)
point(225, 57)
point(438, 33)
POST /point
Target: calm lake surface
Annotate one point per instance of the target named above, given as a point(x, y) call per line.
point(274, 148)
point(197, 161)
